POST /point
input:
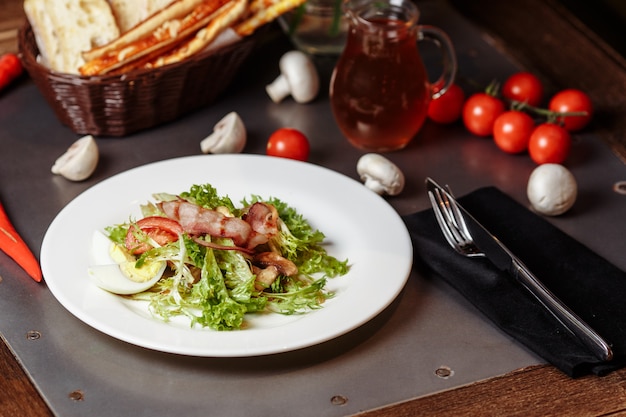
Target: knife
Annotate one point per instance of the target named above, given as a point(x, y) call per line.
point(506, 260)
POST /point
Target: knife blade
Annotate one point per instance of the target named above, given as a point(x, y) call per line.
point(505, 260)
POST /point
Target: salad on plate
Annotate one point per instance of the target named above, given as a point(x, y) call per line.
point(197, 255)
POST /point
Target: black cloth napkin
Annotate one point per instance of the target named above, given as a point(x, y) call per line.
point(591, 286)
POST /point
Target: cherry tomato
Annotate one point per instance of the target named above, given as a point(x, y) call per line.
point(549, 144)
point(480, 111)
point(524, 87)
point(288, 143)
point(447, 108)
point(160, 229)
point(572, 100)
point(511, 131)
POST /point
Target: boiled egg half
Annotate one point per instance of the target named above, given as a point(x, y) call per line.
point(114, 268)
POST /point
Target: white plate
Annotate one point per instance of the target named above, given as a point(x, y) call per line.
point(358, 224)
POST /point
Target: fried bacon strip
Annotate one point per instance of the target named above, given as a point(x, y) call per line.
point(222, 247)
point(163, 37)
point(258, 226)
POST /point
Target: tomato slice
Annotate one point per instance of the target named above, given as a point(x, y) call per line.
point(160, 229)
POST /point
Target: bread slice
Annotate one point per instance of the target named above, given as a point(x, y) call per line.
point(153, 6)
point(157, 41)
point(175, 10)
point(127, 13)
point(130, 12)
point(222, 19)
point(65, 28)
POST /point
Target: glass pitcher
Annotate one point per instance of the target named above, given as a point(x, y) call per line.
point(379, 89)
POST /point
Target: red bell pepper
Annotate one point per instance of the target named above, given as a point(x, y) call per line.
point(10, 69)
point(12, 244)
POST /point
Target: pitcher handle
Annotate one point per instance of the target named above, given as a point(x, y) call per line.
point(442, 41)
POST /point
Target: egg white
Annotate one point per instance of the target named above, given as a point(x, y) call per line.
point(108, 274)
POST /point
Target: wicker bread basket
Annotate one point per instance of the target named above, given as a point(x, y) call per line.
point(123, 104)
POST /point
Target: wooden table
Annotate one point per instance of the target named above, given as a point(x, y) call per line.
point(563, 51)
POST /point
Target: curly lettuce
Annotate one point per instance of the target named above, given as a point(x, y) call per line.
point(216, 287)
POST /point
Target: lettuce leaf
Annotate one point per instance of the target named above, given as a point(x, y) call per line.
point(216, 288)
point(300, 243)
point(206, 196)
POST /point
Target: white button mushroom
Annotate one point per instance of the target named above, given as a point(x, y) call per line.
point(551, 189)
point(298, 77)
point(79, 161)
point(229, 136)
point(380, 174)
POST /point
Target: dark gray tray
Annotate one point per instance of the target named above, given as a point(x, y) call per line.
point(80, 371)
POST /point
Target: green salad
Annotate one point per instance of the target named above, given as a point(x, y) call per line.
point(226, 261)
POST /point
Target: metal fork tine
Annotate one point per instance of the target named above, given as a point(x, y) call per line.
point(465, 237)
point(450, 216)
point(443, 224)
point(459, 220)
point(452, 222)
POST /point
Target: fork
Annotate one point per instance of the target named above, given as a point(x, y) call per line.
point(454, 228)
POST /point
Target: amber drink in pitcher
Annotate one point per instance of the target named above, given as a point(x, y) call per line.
point(379, 90)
